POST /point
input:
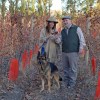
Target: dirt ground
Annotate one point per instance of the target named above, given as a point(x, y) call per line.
point(28, 88)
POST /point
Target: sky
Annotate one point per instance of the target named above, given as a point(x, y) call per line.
point(56, 5)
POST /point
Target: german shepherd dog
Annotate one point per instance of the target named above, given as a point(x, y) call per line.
point(47, 71)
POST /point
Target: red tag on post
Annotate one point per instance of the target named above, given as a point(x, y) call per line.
point(93, 60)
point(24, 59)
point(14, 69)
point(97, 93)
point(30, 55)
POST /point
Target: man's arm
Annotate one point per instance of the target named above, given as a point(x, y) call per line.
point(81, 39)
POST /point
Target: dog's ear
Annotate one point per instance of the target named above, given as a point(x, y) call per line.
point(38, 55)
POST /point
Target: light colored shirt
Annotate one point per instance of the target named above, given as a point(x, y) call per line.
point(81, 38)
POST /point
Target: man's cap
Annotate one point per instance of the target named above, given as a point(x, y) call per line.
point(52, 19)
point(66, 17)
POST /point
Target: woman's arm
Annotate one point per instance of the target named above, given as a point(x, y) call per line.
point(42, 36)
point(58, 39)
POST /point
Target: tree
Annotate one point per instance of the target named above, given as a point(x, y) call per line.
point(3, 11)
point(72, 6)
point(86, 4)
point(11, 7)
point(3, 8)
point(16, 5)
point(43, 7)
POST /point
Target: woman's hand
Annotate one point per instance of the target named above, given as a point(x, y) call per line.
point(55, 38)
point(52, 37)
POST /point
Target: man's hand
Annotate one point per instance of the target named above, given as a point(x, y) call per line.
point(82, 52)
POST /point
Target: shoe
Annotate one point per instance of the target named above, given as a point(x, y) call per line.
point(70, 86)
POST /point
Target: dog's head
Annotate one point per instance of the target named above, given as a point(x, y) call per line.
point(41, 58)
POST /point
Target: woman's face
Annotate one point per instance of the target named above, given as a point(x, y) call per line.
point(51, 24)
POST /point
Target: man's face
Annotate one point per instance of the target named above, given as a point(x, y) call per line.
point(67, 22)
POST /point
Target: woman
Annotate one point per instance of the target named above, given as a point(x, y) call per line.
point(51, 37)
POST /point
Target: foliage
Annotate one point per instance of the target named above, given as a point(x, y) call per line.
point(39, 7)
point(74, 6)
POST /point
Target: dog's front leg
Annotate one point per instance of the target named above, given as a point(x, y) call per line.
point(56, 77)
point(49, 81)
point(42, 84)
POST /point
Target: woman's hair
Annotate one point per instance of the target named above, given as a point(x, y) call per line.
point(48, 27)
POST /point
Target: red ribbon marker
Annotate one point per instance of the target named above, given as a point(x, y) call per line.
point(93, 60)
point(14, 69)
point(97, 93)
point(24, 59)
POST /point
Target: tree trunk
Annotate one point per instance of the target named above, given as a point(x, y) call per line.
point(88, 24)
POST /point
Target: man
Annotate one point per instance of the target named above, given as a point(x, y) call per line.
point(73, 44)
